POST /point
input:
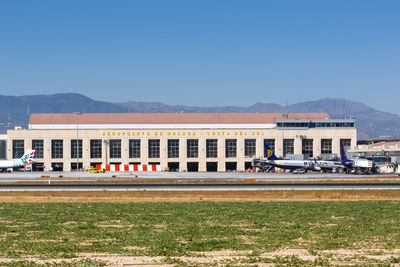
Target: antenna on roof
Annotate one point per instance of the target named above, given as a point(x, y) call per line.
point(335, 109)
point(307, 111)
point(9, 120)
point(287, 108)
point(344, 108)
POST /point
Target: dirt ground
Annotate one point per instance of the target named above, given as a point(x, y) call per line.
point(223, 257)
point(191, 196)
point(215, 258)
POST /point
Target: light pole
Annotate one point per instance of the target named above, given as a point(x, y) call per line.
point(77, 114)
point(106, 142)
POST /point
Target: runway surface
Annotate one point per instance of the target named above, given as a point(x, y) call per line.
point(189, 176)
point(200, 187)
point(170, 181)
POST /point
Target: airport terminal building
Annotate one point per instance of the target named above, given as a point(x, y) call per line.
point(179, 141)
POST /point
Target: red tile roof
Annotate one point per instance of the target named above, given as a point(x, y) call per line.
point(169, 118)
point(390, 143)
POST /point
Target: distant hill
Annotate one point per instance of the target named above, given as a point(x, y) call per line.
point(371, 123)
point(15, 110)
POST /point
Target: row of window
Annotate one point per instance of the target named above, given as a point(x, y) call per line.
point(172, 166)
point(3, 151)
point(315, 124)
point(114, 146)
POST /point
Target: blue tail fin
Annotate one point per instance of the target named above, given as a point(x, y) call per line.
point(343, 154)
point(269, 153)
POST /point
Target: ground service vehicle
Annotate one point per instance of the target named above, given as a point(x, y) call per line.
point(94, 170)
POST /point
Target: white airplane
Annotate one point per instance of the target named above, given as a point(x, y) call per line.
point(362, 166)
point(26, 159)
point(315, 165)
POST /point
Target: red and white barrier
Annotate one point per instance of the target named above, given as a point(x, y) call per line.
point(282, 170)
point(129, 167)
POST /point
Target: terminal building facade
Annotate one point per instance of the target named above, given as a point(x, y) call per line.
point(180, 142)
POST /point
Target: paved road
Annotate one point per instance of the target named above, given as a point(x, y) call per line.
point(203, 186)
point(180, 176)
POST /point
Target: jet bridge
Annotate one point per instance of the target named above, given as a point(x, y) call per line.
point(261, 165)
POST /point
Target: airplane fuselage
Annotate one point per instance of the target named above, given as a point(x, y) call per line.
point(27, 158)
point(326, 164)
point(304, 164)
point(291, 164)
point(5, 164)
point(274, 161)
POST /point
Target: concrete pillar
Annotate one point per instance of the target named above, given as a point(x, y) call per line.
point(144, 148)
point(298, 145)
point(124, 151)
point(221, 154)
point(163, 153)
point(182, 154)
point(336, 146)
point(259, 147)
point(202, 155)
point(67, 155)
point(85, 152)
point(240, 154)
point(105, 151)
point(316, 147)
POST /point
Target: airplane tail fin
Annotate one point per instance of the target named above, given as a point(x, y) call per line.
point(343, 156)
point(28, 157)
point(270, 155)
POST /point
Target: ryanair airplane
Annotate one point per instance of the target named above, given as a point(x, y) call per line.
point(315, 165)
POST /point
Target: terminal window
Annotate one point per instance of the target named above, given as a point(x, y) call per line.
point(326, 146)
point(307, 147)
point(18, 148)
point(74, 164)
point(288, 147)
point(76, 148)
point(57, 166)
point(115, 148)
point(271, 144)
point(173, 148)
point(230, 148)
point(211, 148)
point(346, 143)
point(134, 148)
point(37, 145)
point(192, 148)
point(249, 147)
point(57, 147)
point(154, 148)
point(3, 153)
point(95, 149)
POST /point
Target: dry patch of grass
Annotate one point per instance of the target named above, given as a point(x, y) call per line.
point(196, 196)
point(284, 257)
point(201, 233)
point(137, 181)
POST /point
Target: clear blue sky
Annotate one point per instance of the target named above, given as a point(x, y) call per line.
point(203, 53)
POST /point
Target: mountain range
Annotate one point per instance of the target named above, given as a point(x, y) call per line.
point(370, 123)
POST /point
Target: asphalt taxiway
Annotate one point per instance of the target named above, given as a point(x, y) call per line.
point(184, 176)
point(200, 187)
point(167, 181)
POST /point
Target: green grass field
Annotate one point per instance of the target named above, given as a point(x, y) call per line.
point(174, 230)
